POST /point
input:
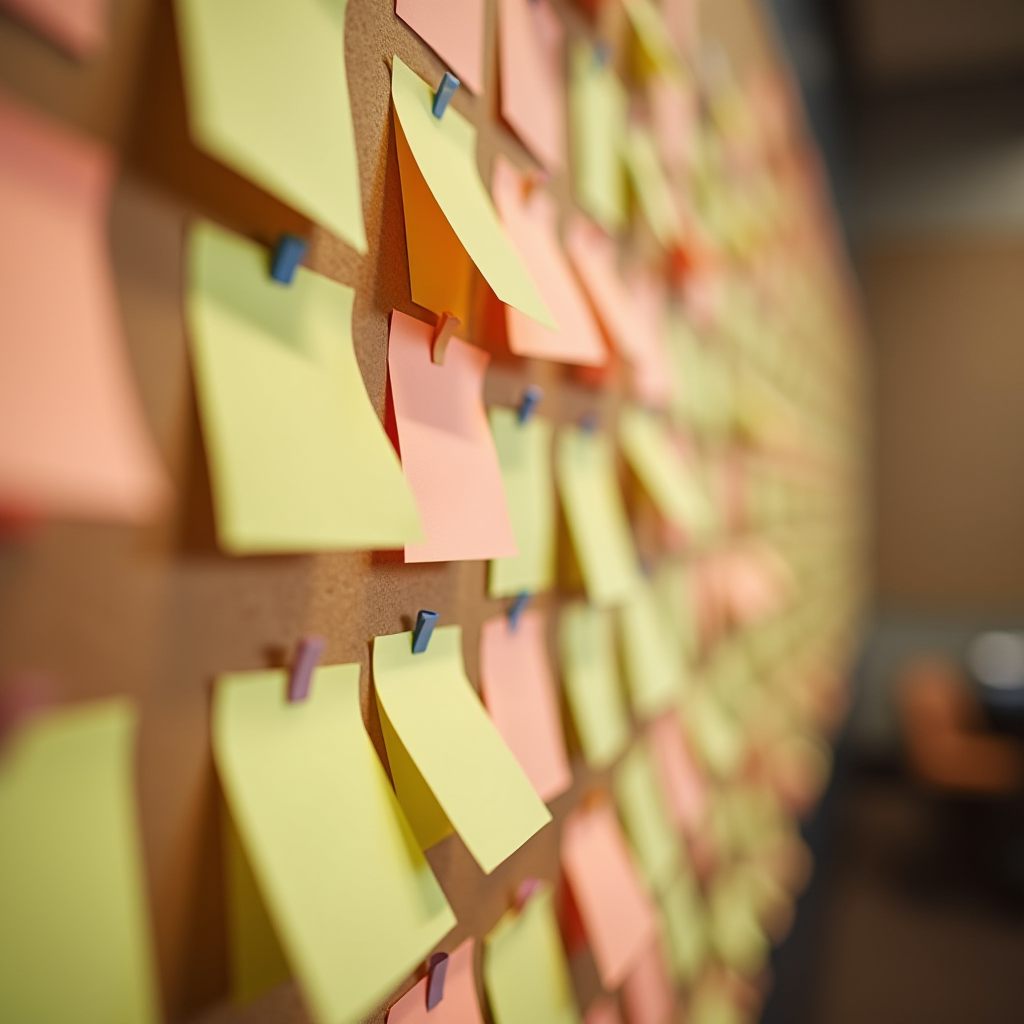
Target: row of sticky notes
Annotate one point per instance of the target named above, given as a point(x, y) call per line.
point(325, 875)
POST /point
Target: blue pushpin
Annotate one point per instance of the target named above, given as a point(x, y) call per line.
point(588, 424)
point(288, 254)
point(437, 970)
point(425, 622)
point(602, 54)
point(444, 94)
point(301, 676)
point(531, 399)
point(515, 613)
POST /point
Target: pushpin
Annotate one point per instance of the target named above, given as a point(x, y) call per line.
point(588, 423)
point(527, 887)
point(288, 254)
point(306, 657)
point(532, 180)
point(531, 399)
point(447, 325)
point(516, 611)
point(444, 94)
point(425, 622)
point(437, 971)
point(602, 54)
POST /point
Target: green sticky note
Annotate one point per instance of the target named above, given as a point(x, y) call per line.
point(525, 971)
point(597, 120)
point(646, 818)
point(651, 187)
point(445, 152)
point(685, 925)
point(268, 96)
point(654, 667)
point(596, 515)
point(298, 459)
point(590, 675)
point(524, 453)
point(74, 935)
point(451, 768)
point(352, 900)
point(659, 466)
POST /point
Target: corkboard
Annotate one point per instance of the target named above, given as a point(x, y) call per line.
point(158, 612)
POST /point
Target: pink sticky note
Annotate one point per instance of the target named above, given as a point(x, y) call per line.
point(652, 375)
point(532, 67)
point(531, 221)
point(446, 447)
point(647, 993)
point(459, 1005)
point(681, 779)
point(73, 440)
point(78, 26)
point(681, 19)
point(454, 30)
point(519, 691)
point(674, 114)
point(615, 909)
point(603, 1011)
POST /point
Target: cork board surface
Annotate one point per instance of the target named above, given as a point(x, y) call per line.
point(158, 612)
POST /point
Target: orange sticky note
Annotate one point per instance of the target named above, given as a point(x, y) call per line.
point(647, 993)
point(603, 1011)
point(652, 372)
point(532, 223)
point(532, 68)
point(446, 447)
point(459, 1005)
point(519, 691)
point(617, 913)
point(681, 780)
point(594, 258)
point(73, 439)
point(78, 26)
point(454, 30)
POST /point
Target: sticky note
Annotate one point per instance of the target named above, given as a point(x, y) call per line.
point(647, 992)
point(652, 375)
point(616, 911)
point(524, 455)
point(603, 1011)
point(715, 733)
point(298, 459)
point(685, 928)
point(533, 101)
point(454, 30)
point(682, 782)
point(735, 931)
point(673, 585)
point(73, 440)
point(519, 690)
point(586, 646)
point(597, 128)
point(651, 657)
point(594, 510)
point(74, 936)
point(525, 971)
point(448, 454)
point(530, 217)
point(655, 458)
point(352, 900)
point(449, 217)
point(79, 27)
point(450, 766)
point(656, 41)
point(459, 1004)
point(268, 96)
point(651, 187)
point(648, 825)
point(674, 119)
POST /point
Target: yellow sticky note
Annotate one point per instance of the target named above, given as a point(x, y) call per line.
point(442, 151)
point(596, 515)
point(654, 667)
point(735, 931)
point(674, 589)
point(524, 453)
point(74, 938)
point(646, 818)
point(597, 119)
point(714, 731)
point(685, 926)
point(586, 648)
point(653, 192)
point(652, 32)
point(451, 768)
point(268, 96)
point(298, 458)
point(659, 466)
point(352, 900)
point(525, 970)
